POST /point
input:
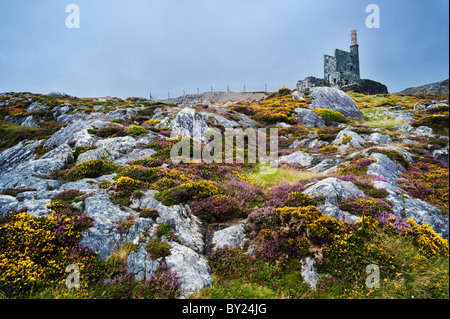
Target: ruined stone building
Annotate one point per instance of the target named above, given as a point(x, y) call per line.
point(339, 70)
point(343, 68)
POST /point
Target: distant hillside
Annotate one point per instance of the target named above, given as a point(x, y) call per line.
point(437, 88)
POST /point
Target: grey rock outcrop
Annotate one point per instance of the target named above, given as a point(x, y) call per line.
point(378, 138)
point(16, 155)
point(186, 225)
point(193, 268)
point(384, 167)
point(231, 236)
point(189, 123)
point(299, 157)
point(75, 131)
point(334, 99)
point(309, 118)
point(333, 189)
point(356, 140)
point(309, 272)
point(7, 203)
point(442, 154)
point(219, 119)
point(22, 121)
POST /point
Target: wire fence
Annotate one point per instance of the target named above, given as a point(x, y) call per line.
point(228, 88)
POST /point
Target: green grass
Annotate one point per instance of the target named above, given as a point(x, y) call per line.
point(371, 120)
point(269, 178)
point(369, 101)
point(235, 289)
point(11, 134)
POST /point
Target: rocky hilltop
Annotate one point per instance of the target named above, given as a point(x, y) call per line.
point(360, 180)
point(436, 88)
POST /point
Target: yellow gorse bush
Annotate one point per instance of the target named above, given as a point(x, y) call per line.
point(125, 183)
point(430, 243)
point(34, 252)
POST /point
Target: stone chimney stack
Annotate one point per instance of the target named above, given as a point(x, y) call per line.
point(354, 41)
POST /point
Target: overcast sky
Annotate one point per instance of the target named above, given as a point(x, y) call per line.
point(134, 47)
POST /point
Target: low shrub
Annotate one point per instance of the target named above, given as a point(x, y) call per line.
point(148, 162)
point(392, 154)
point(135, 131)
point(91, 169)
point(331, 115)
point(163, 283)
point(140, 173)
point(109, 131)
point(438, 122)
point(298, 199)
point(15, 191)
point(34, 252)
point(358, 166)
point(123, 226)
point(429, 243)
point(263, 218)
point(165, 229)
point(428, 179)
point(70, 195)
point(216, 208)
point(243, 192)
point(157, 249)
point(149, 213)
point(328, 149)
point(126, 184)
point(279, 194)
point(187, 192)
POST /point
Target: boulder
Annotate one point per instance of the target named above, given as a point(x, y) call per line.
point(56, 94)
point(384, 167)
point(231, 236)
point(16, 155)
point(334, 99)
point(441, 154)
point(356, 141)
point(423, 131)
point(108, 148)
point(378, 138)
point(298, 95)
point(35, 207)
point(104, 238)
point(140, 264)
point(73, 131)
point(334, 211)
point(21, 180)
point(333, 189)
point(134, 155)
point(297, 157)
point(22, 121)
point(189, 123)
point(7, 203)
point(309, 272)
point(309, 118)
point(220, 120)
point(425, 213)
point(192, 267)
point(186, 225)
point(55, 160)
point(327, 165)
point(405, 127)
